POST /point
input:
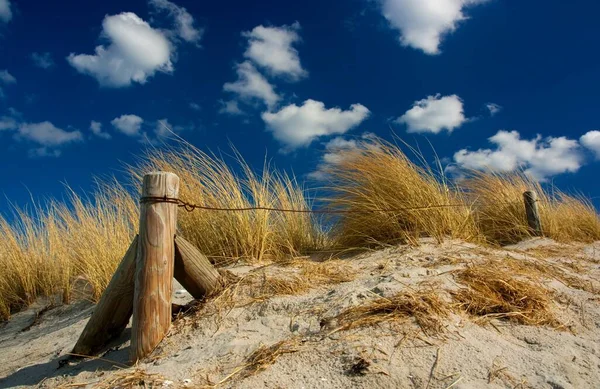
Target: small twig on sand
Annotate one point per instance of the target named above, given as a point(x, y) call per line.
point(435, 363)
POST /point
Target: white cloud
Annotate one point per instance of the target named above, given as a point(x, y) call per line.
point(297, 126)
point(7, 123)
point(195, 106)
point(336, 150)
point(42, 60)
point(252, 85)
point(47, 135)
point(184, 22)
point(434, 114)
point(128, 124)
point(230, 107)
point(591, 140)
point(5, 11)
point(271, 48)
point(540, 157)
point(493, 108)
point(96, 128)
point(423, 23)
point(333, 155)
point(7, 78)
point(165, 129)
point(135, 53)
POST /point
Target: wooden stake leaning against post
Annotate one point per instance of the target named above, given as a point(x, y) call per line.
point(114, 309)
point(194, 271)
point(155, 263)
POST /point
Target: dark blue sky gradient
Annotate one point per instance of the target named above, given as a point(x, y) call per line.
point(539, 60)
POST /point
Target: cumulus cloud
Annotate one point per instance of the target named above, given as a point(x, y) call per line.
point(195, 106)
point(271, 48)
point(539, 157)
point(135, 52)
point(42, 60)
point(424, 23)
point(434, 114)
point(297, 126)
point(251, 85)
point(230, 107)
point(333, 155)
point(6, 79)
point(591, 140)
point(129, 125)
point(493, 108)
point(184, 22)
point(5, 11)
point(49, 137)
point(7, 123)
point(96, 128)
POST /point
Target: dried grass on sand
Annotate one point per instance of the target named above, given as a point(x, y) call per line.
point(492, 292)
point(427, 308)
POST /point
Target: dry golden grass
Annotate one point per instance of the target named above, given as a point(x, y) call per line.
point(379, 176)
point(137, 378)
point(493, 292)
point(539, 268)
point(427, 308)
point(226, 235)
point(46, 250)
point(264, 356)
point(500, 210)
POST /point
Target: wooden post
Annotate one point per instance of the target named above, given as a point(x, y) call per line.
point(193, 270)
point(154, 263)
point(532, 212)
point(114, 309)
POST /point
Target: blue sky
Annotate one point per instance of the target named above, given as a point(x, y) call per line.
point(496, 84)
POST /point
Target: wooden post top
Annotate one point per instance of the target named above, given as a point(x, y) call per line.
point(161, 184)
point(531, 195)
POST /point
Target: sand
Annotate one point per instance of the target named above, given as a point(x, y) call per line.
point(208, 348)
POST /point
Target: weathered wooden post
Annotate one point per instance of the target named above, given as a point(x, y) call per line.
point(532, 212)
point(154, 263)
point(114, 309)
point(194, 271)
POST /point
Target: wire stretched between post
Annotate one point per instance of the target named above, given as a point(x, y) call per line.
point(191, 207)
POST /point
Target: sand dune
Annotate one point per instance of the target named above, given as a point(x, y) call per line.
point(300, 341)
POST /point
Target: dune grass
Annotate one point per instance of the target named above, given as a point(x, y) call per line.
point(62, 247)
point(77, 244)
point(377, 175)
point(500, 210)
point(224, 236)
point(48, 250)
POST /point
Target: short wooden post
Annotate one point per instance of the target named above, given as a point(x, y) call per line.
point(532, 212)
point(193, 270)
point(114, 309)
point(154, 263)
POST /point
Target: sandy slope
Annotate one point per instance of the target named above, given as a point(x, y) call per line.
point(203, 349)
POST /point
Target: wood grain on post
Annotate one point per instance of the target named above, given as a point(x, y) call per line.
point(154, 263)
point(193, 270)
point(532, 212)
point(114, 309)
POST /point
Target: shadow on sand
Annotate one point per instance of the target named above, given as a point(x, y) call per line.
point(115, 356)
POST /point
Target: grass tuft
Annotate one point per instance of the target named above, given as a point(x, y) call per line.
point(492, 292)
point(426, 307)
point(500, 210)
point(224, 236)
point(378, 176)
